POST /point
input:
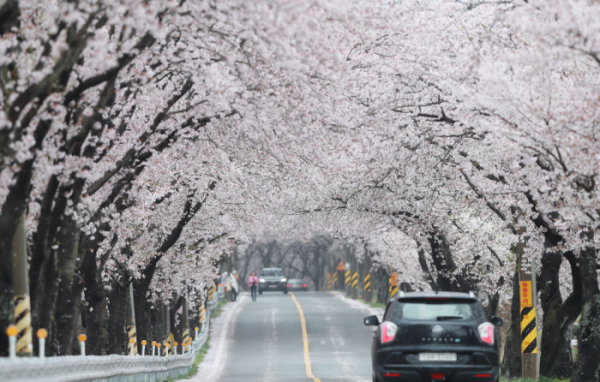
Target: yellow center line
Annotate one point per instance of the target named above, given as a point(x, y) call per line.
point(305, 338)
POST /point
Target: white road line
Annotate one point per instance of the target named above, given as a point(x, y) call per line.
point(222, 339)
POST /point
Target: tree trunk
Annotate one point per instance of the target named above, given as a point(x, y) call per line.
point(118, 299)
point(588, 359)
point(423, 263)
point(68, 298)
point(447, 277)
point(42, 262)
point(511, 364)
point(96, 310)
point(556, 357)
point(14, 206)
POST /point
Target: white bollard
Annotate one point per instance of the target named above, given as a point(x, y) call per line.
point(42, 334)
point(153, 348)
point(82, 339)
point(144, 347)
point(196, 334)
point(175, 349)
point(12, 333)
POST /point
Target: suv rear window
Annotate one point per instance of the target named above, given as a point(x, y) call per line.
point(432, 310)
point(271, 272)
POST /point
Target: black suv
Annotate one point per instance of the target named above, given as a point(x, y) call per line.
point(272, 279)
point(428, 336)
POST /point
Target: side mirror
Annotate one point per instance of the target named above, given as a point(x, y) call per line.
point(371, 321)
point(496, 321)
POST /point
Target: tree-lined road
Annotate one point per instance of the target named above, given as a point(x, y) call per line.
point(264, 340)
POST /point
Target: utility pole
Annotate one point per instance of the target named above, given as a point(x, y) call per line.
point(354, 270)
point(527, 293)
point(348, 272)
point(167, 327)
point(21, 291)
point(186, 323)
point(228, 267)
point(131, 330)
point(367, 263)
point(338, 279)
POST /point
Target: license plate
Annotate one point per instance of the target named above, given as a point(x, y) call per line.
point(437, 357)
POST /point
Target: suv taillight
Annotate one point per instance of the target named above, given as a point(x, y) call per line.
point(486, 332)
point(388, 331)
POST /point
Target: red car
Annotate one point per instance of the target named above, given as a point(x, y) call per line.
point(297, 285)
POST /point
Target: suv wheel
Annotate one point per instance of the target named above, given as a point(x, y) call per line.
point(375, 379)
point(285, 291)
point(260, 292)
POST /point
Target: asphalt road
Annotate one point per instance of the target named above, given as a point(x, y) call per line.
point(264, 341)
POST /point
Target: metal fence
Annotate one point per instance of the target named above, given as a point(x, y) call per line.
point(110, 368)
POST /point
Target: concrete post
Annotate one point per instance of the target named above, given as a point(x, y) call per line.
point(348, 272)
point(186, 323)
point(166, 328)
point(368, 294)
point(527, 294)
point(21, 290)
point(229, 269)
point(131, 329)
point(354, 271)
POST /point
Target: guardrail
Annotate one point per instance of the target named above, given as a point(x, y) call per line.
point(110, 368)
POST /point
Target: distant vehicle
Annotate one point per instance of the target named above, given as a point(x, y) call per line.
point(435, 337)
point(272, 279)
point(297, 284)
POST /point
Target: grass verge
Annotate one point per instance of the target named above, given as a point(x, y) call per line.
point(200, 357)
point(373, 304)
point(218, 309)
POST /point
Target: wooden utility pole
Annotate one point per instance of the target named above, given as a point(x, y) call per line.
point(368, 294)
point(527, 293)
point(21, 291)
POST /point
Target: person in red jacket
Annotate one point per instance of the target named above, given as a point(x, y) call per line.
point(253, 282)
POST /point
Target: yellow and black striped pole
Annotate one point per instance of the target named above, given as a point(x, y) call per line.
point(131, 330)
point(328, 281)
point(528, 331)
point(132, 335)
point(185, 324)
point(211, 293)
point(335, 280)
point(368, 282)
point(22, 302)
point(354, 280)
point(23, 324)
point(166, 328)
point(529, 346)
point(393, 284)
point(202, 317)
point(527, 293)
point(348, 283)
point(367, 264)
